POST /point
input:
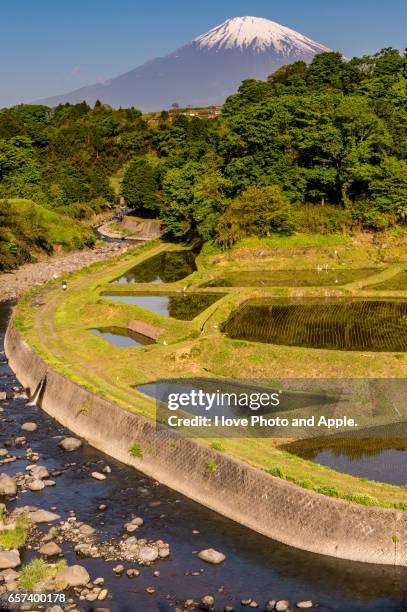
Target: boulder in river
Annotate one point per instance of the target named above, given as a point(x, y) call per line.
point(38, 472)
point(3, 396)
point(147, 554)
point(282, 606)
point(50, 549)
point(208, 602)
point(211, 556)
point(70, 444)
point(8, 485)
point(98, 476)
point(36, 485)
point(86, 530)
point(9, 559)
point(73, 576)
point(304, 605)
point(29, 426)
point(43, 516)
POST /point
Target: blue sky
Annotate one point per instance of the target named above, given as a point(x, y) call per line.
point(50, 47)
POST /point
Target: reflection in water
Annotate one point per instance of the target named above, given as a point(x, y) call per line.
point(162, 268)
point(122, 337)
point(397, 282)
point(184, 306)
point(381, 460)
point(340, 324)
point(290, 278)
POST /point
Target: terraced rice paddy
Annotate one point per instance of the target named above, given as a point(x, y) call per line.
point(122, 337)
point(338, 324)
point(323, 277)
point(184, 306)
point(397, 283)
point(167, 267)
point(382, 460)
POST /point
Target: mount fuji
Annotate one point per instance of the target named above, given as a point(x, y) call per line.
point(206, 70)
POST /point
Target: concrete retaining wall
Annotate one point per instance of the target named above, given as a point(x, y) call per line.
point(271, 506)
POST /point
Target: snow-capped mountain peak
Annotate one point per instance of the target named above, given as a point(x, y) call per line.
point(204, 71)
point(259, 35)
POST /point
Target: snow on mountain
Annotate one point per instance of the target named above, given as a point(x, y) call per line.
point(206, 70)
point(259, 35)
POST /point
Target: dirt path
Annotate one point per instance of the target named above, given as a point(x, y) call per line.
point(17, 282)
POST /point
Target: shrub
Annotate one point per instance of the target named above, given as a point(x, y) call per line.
point(136, 451)
point(212, 465)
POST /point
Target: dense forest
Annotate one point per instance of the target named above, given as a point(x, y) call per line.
point(314, 149)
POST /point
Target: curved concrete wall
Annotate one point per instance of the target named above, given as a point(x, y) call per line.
point(271, 506)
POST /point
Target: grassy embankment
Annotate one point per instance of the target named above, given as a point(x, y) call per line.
point(29, 229)
point(59, 331)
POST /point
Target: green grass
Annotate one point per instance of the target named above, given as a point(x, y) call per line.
point(60, 230)
point(16, 537)
point(136, 451)
point(295, 241)
point(37, 571)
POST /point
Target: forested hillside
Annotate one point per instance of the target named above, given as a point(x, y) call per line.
point(315, 149)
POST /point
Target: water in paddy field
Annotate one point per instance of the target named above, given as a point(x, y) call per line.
point(338, 324)
point(379, 460)
point(161, 268)
point(255, 566)
point(397, 282)
point(291, 278)
point(183, 306)
point(122, 337)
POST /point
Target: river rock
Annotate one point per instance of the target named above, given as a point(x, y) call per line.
point(50, 549)
point(9, 575)
point(304, 605)
point(147, 554)
point(282, 606)
point(36, 485)
point(211, 556)
point(70, 444)
point(91, 597)
point(54, 609)
point(9, 559)
point(8, 485)
point(3, 396)
point(208, 601)
point(39, 472)
point(98, 476)
point(3, 452)
point(270, 606)
point(87, 530)
point(103, 594)
point(43, 516)
point(73, 576)
point(29, 427)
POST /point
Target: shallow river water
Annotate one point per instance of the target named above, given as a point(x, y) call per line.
point(255, 567)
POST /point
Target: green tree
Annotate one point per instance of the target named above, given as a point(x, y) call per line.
point(140, 187)
point(259, 211)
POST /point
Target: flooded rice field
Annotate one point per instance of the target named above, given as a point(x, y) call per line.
point(167, 267)
point(183, 306)
point(338, 324)
point(318, 277)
